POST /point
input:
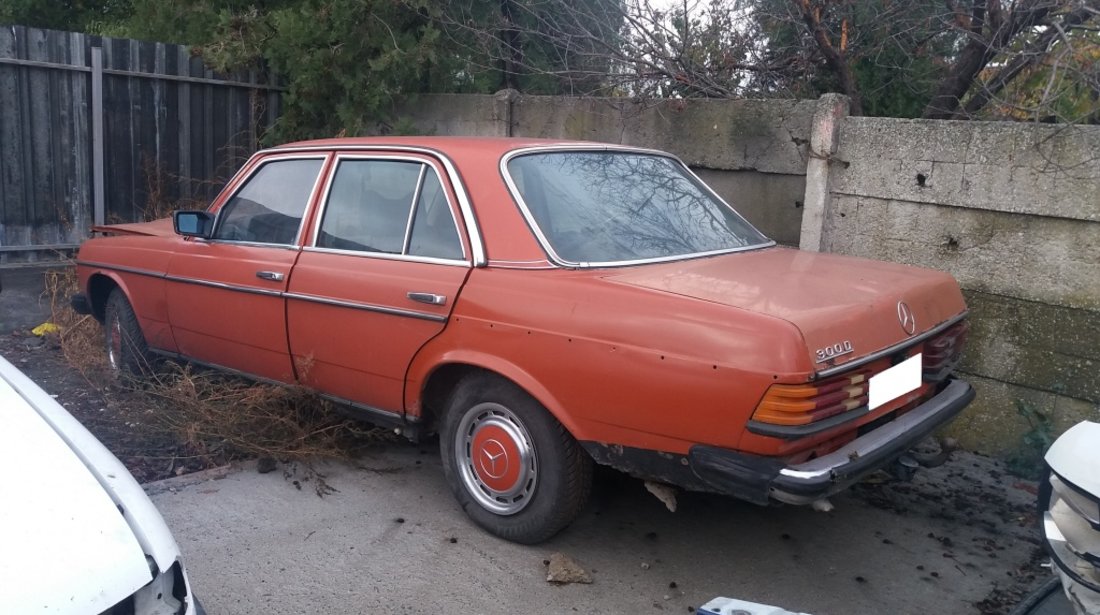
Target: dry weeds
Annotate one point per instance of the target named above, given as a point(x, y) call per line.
point(80, 336)
point(219, 415)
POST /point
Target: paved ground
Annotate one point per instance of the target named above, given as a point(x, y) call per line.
point(21, 303)
point(392, 540)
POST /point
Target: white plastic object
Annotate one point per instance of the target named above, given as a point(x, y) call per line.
point(732, 606)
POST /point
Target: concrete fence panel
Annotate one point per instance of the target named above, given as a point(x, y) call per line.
point(1013, 211)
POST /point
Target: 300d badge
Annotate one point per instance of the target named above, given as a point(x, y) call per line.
point(836, 350)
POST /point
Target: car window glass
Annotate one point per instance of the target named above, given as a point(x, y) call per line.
point(433, 231)
point(613, 207)
point(270, 205)
point(368, 205)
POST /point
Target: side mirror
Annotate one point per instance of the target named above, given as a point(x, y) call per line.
point(193, 223)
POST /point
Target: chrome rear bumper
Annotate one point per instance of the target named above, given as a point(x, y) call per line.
point(760, 479)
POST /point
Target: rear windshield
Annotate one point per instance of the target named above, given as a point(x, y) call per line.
point(613, 207)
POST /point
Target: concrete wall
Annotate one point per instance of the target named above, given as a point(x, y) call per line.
point(753, 153)
point(1013, 211)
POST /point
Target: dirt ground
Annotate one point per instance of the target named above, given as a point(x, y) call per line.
point(992, 509)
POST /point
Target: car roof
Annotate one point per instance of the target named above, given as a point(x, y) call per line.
point(486, 145)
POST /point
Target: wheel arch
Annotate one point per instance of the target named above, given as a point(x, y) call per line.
point(440, 379)
point(99, 287)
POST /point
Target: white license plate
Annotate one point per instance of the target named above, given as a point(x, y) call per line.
point(895, 382)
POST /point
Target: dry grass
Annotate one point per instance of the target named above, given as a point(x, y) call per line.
point(214, 414)
point(80, 336)
point(191, 418)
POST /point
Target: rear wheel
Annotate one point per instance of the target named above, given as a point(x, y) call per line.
point(515, 470)
point(127, 352)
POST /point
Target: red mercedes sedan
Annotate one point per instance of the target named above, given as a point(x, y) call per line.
point(542, 306)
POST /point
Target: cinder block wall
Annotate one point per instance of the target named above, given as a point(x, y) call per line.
point(1013, 211)
point(753, 153)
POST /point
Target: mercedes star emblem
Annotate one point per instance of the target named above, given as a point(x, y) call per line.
point(906, 318)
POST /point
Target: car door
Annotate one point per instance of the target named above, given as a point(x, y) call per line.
point(378, 278)
point(225, 295)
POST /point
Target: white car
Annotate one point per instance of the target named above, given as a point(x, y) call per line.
point(78, 535)
point(1069, 500)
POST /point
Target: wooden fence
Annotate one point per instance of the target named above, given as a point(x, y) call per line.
point(96, 129)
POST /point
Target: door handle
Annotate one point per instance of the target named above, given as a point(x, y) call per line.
point(429, 298)
point(274, 276)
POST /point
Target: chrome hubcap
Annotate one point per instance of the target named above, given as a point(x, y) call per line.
point(496, 458)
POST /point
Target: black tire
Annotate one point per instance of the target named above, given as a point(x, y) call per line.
point(552, 484)
point(127, 352)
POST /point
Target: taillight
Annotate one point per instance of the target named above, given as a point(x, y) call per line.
point(942, 352)
point(801, 404)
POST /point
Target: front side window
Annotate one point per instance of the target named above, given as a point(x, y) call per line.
point(268, 208)
point(389, 207)
point(612, 207)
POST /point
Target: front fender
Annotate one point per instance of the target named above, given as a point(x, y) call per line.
point(140, 276)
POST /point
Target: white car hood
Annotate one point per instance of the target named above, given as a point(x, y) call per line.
point(65, 547)
point(1075, 456)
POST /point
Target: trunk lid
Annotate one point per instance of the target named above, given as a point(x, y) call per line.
point(845, 307)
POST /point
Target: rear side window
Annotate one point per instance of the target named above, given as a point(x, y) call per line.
point(268, 208)
point(389, 207)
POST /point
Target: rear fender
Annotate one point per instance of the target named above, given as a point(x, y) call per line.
point(430, 360)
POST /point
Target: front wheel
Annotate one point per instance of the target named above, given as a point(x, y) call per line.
point(515, 470)
point(127, 352)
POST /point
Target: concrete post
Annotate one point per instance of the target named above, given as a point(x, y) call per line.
point(824, 138)
point(503, 102)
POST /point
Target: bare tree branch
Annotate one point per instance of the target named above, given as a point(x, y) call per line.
point(1029, 57)
point(979, 51)
point(962, 20)
point(836, 61)
point(950, 59)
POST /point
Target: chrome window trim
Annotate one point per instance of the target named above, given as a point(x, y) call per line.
point(390, 257)
point(885, 352)
point(545, 243)
point(416, 205)
point(251, 244)
point(244, 179)
point(533, 264)
point(473, 230)
point(368, 307)
point(465, 260)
